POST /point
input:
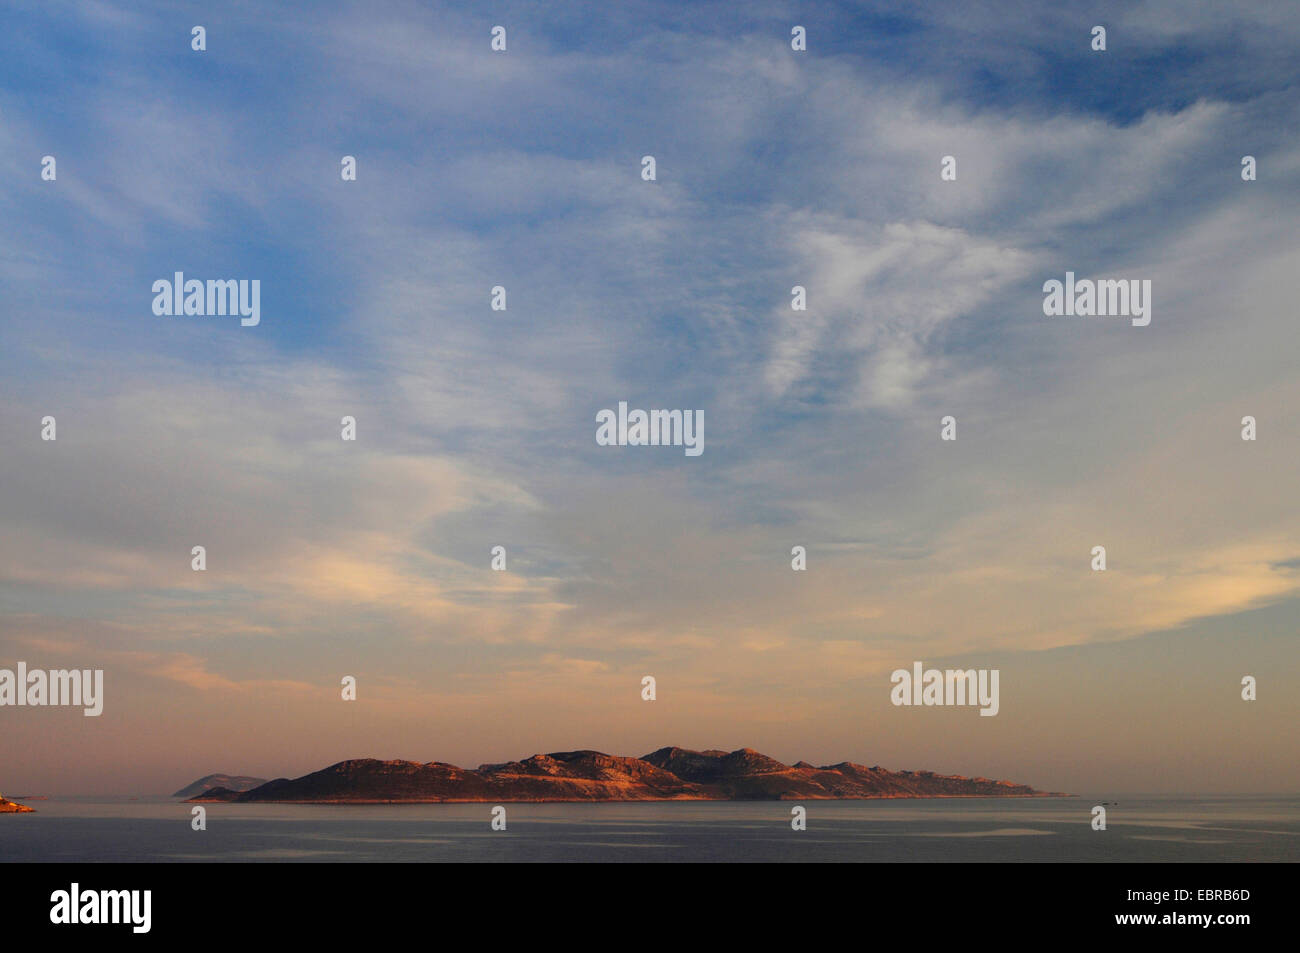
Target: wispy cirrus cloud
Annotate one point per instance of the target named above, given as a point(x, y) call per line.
point(475, 426)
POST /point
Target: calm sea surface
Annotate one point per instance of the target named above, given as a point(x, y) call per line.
point(1139, 828)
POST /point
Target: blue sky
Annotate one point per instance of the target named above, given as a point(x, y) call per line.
point(476, 428)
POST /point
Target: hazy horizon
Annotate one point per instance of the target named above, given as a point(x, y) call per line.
point(477, 428)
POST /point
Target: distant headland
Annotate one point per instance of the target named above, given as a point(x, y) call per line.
point(231, 782)
point(669, 774)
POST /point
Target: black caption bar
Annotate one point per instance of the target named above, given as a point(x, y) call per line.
point(145, 902)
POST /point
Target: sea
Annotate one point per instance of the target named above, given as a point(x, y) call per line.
point(1139, 828)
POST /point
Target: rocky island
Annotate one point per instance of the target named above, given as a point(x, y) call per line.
point(11, 807)
point(669, 774)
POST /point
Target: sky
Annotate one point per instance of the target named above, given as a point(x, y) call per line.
point(476, 427)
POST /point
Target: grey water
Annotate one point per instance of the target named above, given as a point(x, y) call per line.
point(1139, 828)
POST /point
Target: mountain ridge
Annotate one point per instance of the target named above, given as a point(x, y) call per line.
point(666, 774)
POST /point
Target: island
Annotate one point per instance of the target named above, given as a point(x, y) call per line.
point(11, 807)
point(669, 774)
